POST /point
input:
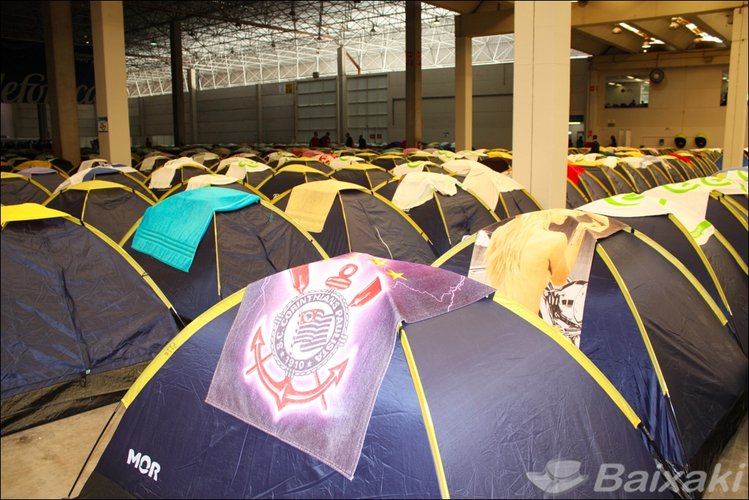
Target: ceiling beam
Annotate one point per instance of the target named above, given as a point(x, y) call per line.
point(680, 38)
point(593, 13)
point(485, 23)
point(585, 43)
point(716, 23)
point(626, 40)
point(459, 7)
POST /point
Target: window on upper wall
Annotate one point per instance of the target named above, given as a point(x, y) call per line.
point(724, 89)
point(627, 91)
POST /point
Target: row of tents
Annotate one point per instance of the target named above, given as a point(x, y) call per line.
point(633, 390)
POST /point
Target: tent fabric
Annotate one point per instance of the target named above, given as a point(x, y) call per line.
point(365, 174)
point(337, 342)
point(250, 171)
point(17, 188)
point(233, 184)
point(418, 441)
point(700, 361)
point(719, 274)
point(79, 319)
point(239, 247)
point(629, 268)
point(701, 196)
point(121, 175)
point(288, 177)
point(49, 178)
point(36, 165)
point(445, 218)
point(110, 207)
point(169, 236)
point(365, 222)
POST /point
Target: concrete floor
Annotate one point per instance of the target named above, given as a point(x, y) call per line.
point(43, 462)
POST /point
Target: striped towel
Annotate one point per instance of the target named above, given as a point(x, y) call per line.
point(172, 229)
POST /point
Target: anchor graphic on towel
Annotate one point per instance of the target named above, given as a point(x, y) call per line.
point(306, 334)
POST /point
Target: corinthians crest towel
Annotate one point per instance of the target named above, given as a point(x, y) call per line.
point(309, 348)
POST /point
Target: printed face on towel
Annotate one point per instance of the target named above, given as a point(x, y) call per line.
point(542, 261)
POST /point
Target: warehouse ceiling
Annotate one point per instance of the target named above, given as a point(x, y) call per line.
point(232, 43)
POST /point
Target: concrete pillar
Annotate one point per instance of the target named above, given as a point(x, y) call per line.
point(192, 89)
point(58, 43)
point(141, 123)
point(541, 99)
point(342, 96)
point(112, 118)
point(259, 105)
point(736, 132)
point(413, 74)
point(463, 93)
point(178, 82)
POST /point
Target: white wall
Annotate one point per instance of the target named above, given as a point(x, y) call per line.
point(492, 103)
point(686, 102)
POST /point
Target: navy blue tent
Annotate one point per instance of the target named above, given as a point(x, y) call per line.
point(80, 318)
point(502, 409)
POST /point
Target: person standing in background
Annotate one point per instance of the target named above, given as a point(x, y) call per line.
point(315, 141)
point(325, 141)
point(362, 142)
point(349, 141)
point(595, 147)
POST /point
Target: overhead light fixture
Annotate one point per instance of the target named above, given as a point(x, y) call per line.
point(373, 30)
point(436, 20)
point(616, 29)
point(646, 43)
point(154, 43)
point(674, 23)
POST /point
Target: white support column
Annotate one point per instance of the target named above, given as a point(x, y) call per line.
point(541, 99)
point(463, 93)
point(342, 98)
point(112, 118)
point(192, 88)
point(259, 105)
point(413, 74)
point(736, 132)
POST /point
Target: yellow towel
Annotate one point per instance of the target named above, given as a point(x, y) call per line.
point(310, 203)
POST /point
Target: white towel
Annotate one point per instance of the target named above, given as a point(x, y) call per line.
point(240, 169)
point(200, 181)
point(162, 177)
point(417, 188)
point(462, 166)
point(87, 164)
point(487, 184)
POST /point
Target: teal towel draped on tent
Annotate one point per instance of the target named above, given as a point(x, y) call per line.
point(172, 229)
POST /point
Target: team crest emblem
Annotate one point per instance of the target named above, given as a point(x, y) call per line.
point(305, 338)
